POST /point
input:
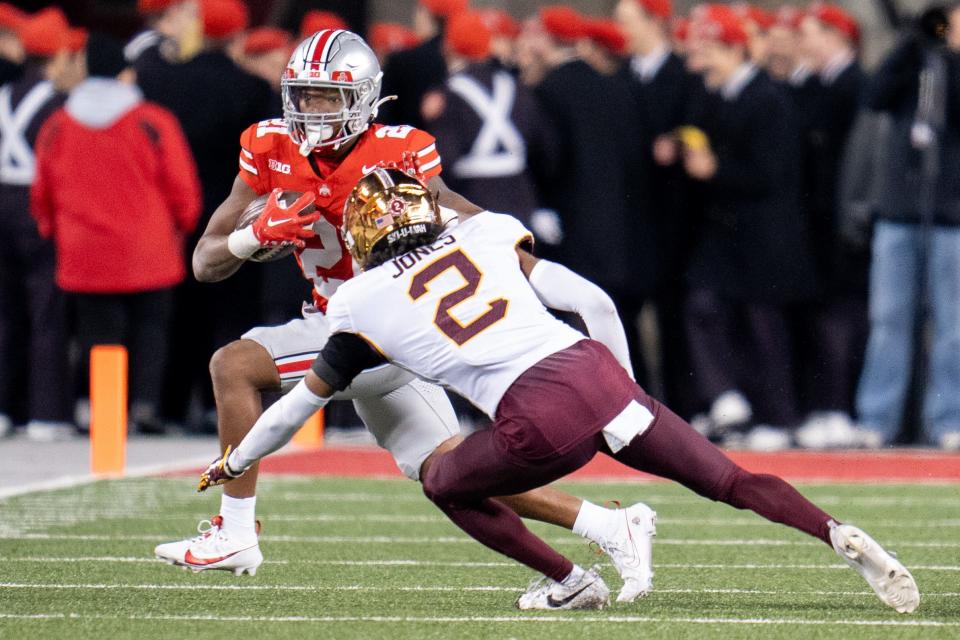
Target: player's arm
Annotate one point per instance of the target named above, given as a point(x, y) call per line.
point(343, 358)
point(564, 290)
point(452, 199)
point(212, 259)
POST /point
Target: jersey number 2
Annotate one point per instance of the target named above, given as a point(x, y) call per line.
point(449, 325)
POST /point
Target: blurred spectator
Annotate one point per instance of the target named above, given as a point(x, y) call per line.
point(603, 46)
point(119, 233)
point(172, 31)
point(503, 34)
point(387, 38)
point(264, 54)
point(751, 255)
point(832, 330)
point(916, 244)
point(593, 189)
point(679, 32)
point(660, 89)
point(214, 100)
point(410, 73)
point(756, 23)
point(315, 20)
point(785, 61)
point(11, 49)
point(490, 131)
point(33, 331)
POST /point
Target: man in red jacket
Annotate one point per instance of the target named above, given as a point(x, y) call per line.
point(105, 148)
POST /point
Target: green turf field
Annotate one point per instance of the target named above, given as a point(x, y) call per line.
point(373, 559)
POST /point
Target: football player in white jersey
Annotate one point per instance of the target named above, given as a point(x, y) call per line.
point(462, 313)
point(326, 142)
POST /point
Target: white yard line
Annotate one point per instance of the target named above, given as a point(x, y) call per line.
point(440, 563)
point(486, 619)
point(735, 542)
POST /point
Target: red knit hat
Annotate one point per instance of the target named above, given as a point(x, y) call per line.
point(754, 14)
point(47, 32)
point(721, 26)
point(224, 18)
point(606, 33)
point(444, 8)
point(563, 23)
point(658, 8)
point(11, 18)
point(265, 40)
point(500, 22)
point(315, 20)
point(468, 36)
point(836, 18)
point(148, 7)
point(390, 37)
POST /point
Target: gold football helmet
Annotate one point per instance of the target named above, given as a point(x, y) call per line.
point(388, 213)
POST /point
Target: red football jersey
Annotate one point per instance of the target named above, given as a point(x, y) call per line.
point(269, 159)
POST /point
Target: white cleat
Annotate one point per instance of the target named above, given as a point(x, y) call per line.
point(213, 549)
point(631, 550)
point(891, 581)
point(590, 592)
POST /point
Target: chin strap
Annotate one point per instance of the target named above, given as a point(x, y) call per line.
point(375, 109)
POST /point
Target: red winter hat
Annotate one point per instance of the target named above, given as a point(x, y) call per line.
point(265, 40)
point(468, 36)
point(563, 23)
point(390, 37)
point(720, 26)
point(789, 16)
point(836, 18)
point(500, 22)
point(148, 7)
point(754, 14)
point(444, 8)
point(606, 33)
point(223, 18)
point(47, 32)
point(658, 8)
point(11, 18)
point(314, 21)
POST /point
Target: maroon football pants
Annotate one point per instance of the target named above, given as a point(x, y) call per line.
point(462, 481)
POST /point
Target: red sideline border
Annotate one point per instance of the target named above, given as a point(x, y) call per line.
point(898, 465)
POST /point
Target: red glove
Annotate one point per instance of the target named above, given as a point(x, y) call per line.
point(279, 225)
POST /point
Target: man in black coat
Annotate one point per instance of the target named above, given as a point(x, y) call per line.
point(491, 132)
point(592, 190)
point(832, 330)
point(410, 73)
point(659, 85)
point(751, 257)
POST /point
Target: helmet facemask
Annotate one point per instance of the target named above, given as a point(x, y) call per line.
point(311, 131)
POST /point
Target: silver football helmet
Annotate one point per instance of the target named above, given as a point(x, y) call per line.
point(331, 59)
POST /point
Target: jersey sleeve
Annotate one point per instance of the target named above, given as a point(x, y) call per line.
point(509, 230)
point(249, 171)
point(425, 146)
point(343, 358)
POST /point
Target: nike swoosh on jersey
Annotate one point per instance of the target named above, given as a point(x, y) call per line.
point(556, 604)
point(189, 558)
point(273, 223)
point(365, 169)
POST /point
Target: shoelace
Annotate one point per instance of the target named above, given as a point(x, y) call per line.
point(206, 528)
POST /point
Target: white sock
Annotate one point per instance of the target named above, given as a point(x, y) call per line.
point(576, 574)
point(593, 522)
point(239, 516)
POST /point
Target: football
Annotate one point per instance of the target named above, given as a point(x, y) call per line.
point(255, 209)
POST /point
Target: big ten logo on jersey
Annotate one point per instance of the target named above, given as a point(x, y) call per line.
point(394, 131)
point(279, 167)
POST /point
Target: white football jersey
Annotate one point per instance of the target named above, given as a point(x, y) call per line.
point(458, 312)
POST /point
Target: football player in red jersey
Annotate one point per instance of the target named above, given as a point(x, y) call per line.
point(326, 142)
